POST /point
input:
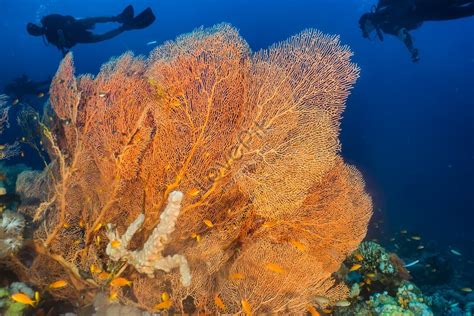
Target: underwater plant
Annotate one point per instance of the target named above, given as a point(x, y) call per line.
point(246, 147)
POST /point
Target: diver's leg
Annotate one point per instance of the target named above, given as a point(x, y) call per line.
point(94, 38)
point(90, 22)
point(452, 12)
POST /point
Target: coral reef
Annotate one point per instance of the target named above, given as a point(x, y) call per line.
point(269, 208)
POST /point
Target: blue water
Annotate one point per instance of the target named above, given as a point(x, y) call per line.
point(408, 127)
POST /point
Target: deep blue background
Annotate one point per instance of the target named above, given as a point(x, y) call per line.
point(408, 127)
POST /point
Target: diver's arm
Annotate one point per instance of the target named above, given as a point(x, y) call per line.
point(408, 41)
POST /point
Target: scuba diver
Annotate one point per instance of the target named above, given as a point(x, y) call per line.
point(23, 86)
point(65, 31)
point(397, 17)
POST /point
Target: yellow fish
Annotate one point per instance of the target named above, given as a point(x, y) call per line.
point(298, 245)
point(358, 257)
point(164, 305)
point(97, 240)
point(115, 243)
point(94, 269)
point(268, 224)
point(104, 275)
point(208, 223)
point(196, 236)
point(23, 298)
point(165, 296)
point(371, 275)
point(37, 296)
point(355, 267)
point(219, 303)
point(66, 225)
point(81, 223)
point(40, 95)
point(193, 192)
point(246, 307)
point(113, 296)
point(99, 226)
point(236, 276)
point(466, 289)
point(416, 237)
point(120, 282)
point(312, 310)
point(274, 267)
point(58, 284)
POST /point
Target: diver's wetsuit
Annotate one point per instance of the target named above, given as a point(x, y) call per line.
point(64, 31)
point(397, 17)
point(23, 86)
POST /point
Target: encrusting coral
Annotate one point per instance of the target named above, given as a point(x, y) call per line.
point(269, 209)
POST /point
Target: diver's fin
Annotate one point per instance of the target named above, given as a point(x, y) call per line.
point(144, 19)
point(127, 15)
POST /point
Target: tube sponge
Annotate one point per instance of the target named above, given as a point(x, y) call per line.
point(150, 258)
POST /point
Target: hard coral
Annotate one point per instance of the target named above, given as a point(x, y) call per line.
point(269, 211)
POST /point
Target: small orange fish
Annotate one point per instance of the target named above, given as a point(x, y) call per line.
point(298, 245)
point(208, 223)
point(58, 284)
point(113, 295)
point(274, 267)
point(327, 311)
point(196, 236)
point(358, 257)
point(355, 267)
point(368, 281)
point(97, 240)
point(312, 310)
point(219, 303)
point(66, 225)
point(165, 296)
point(120, 282)
point(164, 305)
point(40, 95)
point(193, 192)
point(81, 223)
point(268, 224)
point(99, 226)
point(94, 269)
point(246, 307)
point(103, 275)
point(115, 243)
point(236, 276)
point(37, 296)
point(23, 298)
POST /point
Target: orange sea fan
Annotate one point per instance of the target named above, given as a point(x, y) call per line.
point(251, 139)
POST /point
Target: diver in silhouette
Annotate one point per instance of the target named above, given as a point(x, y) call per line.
point(65, 31)
point(397, 17)
point(23, 86)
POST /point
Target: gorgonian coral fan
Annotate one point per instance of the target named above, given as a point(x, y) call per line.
point(269, 210)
